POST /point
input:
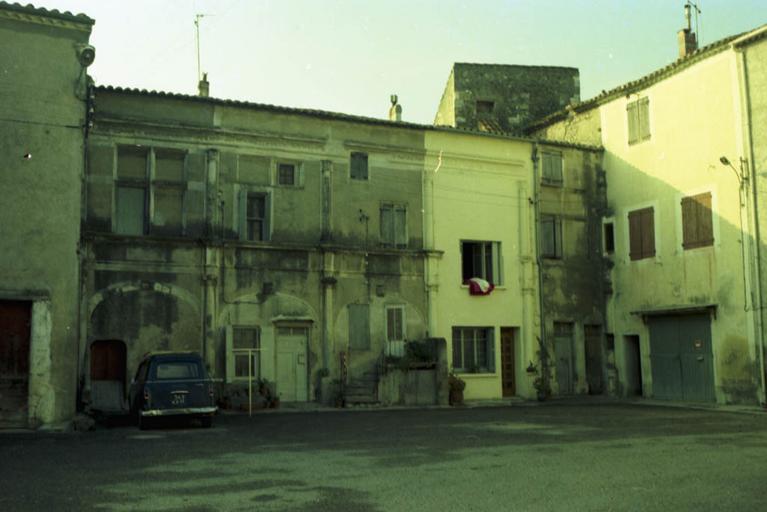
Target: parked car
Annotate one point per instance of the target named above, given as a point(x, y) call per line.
point(172, 384)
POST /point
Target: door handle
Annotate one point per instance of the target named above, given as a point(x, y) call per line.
point(700, 358)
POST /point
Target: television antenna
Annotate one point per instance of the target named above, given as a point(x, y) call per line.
point(687, 8)
point(197, 18)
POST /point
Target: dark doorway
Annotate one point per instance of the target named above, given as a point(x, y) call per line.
point(508, 374)
point(633, 365)
point(15, 333)
point(108, 360)
point(593, 349)
point(563, 350)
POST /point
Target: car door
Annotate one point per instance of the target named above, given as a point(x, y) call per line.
point(137, 386)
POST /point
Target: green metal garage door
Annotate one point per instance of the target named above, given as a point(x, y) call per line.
point(680, 355)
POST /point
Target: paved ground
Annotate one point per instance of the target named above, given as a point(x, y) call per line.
point(549, 457)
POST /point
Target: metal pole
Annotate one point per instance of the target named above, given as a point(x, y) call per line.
point(250, 383)
point(197, 37)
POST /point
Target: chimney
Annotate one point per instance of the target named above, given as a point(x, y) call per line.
point(395, 112)
point(686, 37)
point(203, 87)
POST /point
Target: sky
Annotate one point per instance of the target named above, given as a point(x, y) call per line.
point(350, 55)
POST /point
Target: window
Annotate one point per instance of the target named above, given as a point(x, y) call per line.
point(551, 168)
point(359, 166)
point(393, 225)
point(481, 259)
point(131, 190)
point(246, 348)
point(359, 326)
point(485, 107)
point(609, 237)
point(286, 174)
point(141, 180)
point(178, 370)
point(256, 225)
point(395, 323)
point(639, 120)
point(641, 234)
point(551, 237)
point(697, 226)
point(473, 350)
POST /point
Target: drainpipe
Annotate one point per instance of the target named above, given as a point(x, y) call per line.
point(537, 241)
point(756, 236)
point(427, 229)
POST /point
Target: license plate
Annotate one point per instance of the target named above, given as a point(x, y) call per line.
point(178, 399)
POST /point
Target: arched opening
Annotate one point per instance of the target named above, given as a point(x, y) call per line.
point(108, 372)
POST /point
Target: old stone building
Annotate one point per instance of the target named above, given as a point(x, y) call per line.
point(684, 158)
point(264, 236)
point(42, 121)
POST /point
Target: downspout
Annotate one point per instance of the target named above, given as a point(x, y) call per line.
point(537, 242)
point(427, 228)
point(756, 239)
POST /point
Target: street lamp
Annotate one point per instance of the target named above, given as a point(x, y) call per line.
point(740, 175)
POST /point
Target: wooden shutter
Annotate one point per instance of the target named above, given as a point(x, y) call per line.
point(635, 235)
point(558, 237)
point(548, 238)
point(643, 116)
point(400, 226)
point(387, 225)
point(631, 113)
point(242, 210)
point(697, 225)
point(648, 233)
point(689, 223)
point(359, 326)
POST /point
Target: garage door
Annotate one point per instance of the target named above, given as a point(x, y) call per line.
point(680, 355)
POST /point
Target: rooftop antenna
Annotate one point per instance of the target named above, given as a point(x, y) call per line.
point(197, 18)
point(687, 8)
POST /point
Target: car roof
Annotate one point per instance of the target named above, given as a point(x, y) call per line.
point(168, 354)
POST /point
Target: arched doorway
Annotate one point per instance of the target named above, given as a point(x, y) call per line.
point(108, 359)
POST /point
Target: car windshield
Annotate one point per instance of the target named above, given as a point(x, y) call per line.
point(178, 370)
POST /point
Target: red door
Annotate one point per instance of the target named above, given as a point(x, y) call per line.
point(15, 321)
point(108, 359)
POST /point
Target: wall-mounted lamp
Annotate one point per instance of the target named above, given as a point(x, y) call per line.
point(742, 178)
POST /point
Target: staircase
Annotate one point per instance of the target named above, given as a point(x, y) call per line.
point(362, 390)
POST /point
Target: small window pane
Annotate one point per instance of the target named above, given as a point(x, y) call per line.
point(359, 166)
point(287, 174)
point(169, 165)
point(247, 338)
point(131, 205)
point(178, 370)
point(132, 162)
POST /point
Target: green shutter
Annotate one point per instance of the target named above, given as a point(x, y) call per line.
point(242, 209)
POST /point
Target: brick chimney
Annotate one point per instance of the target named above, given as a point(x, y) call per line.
point(203, 87)
point(395, 111)
point(686, 39)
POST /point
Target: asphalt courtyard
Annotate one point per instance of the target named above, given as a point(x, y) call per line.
point(522, 457)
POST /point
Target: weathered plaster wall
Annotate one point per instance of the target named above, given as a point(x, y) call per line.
point(579, 127)
point(324, 249)
point(681, 158)
point(573, 283)
point(446, 110)
point(42, 116)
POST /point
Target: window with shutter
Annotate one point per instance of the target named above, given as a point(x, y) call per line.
point(552, 168)
point(393, 225)
point(483, 260)
point(697, 224)
point(551, 237)
point(638, 115)
point(358, 166)
point(641, 234)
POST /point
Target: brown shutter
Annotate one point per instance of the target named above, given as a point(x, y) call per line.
point(635, 235)
point(643, 115)
point(689, 222)
point(705, 222)
point(648, 233)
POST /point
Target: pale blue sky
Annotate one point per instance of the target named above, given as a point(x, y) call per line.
point(349, 56)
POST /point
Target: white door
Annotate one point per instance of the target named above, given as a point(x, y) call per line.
point(292, 365)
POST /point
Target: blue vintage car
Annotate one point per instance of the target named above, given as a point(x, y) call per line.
point(172, 384)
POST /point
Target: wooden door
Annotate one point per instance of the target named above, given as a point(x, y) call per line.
point(508, 375)
point(563, 350)
point(292, 370)
point(108, 370)
point(15, 321)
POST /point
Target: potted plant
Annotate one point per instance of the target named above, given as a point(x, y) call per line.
point(456, 385)
point(542, 387)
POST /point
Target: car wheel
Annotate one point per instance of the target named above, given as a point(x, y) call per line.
point(206, 421)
